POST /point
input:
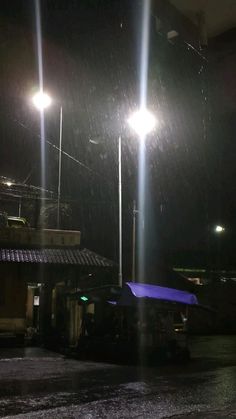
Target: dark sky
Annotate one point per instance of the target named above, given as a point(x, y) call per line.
point(91, 54)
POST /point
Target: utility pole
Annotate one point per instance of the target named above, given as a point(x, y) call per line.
point(59, 172)
point(135, 211)
point(120, 213)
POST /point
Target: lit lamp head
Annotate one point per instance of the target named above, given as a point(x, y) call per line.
point(142, 122)
point(219, 229)
point(41, 100)
point(8, 183)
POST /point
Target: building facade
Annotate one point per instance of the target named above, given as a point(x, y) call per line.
point(37, 282)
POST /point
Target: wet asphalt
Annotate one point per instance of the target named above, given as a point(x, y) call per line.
point(36, 383)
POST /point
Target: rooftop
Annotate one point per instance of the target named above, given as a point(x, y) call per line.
point(69, 256)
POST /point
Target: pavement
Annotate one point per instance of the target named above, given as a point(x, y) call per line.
point(37, 383)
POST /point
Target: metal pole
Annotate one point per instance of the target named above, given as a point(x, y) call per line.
point(19, 208)
point(120, 214)
point(134, 243)
point(59, 172)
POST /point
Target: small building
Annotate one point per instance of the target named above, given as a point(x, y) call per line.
point(39, 270)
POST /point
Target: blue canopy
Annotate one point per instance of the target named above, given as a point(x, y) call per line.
point(138, 290)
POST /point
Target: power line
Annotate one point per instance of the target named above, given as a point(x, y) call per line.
point(57, 148)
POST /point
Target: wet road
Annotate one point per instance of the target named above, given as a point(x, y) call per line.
point(35, 383)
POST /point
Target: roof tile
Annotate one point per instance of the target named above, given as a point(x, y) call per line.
point(55, 256)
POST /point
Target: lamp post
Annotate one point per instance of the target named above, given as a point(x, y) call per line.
point(41, 101)
point(120, 212)
point(135, 212)
point(142, 122)
point(219, 231)
point(59, 171)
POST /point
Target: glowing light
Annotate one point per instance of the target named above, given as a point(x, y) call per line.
point(8, 184)
point(41, 100)
point(142, 122)
point(219, 229)
point(84, 298)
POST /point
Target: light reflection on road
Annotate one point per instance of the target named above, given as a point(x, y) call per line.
point(44, 384)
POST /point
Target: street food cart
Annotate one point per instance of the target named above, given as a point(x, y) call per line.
point(145, 323)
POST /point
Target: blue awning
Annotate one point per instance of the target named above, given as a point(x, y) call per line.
point(133, 290)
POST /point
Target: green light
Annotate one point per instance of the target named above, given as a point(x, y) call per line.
point(83, 298)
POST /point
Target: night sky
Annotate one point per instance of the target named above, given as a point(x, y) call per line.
point(91, 55)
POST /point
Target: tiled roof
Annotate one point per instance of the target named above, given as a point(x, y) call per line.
point(82, 257)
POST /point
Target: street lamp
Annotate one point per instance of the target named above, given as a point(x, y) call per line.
point(219, 229)
point(41, 101)
point(142, 122)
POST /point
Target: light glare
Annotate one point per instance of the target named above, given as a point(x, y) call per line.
point(219, 229)
point(142, 122)
point(41, 100)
